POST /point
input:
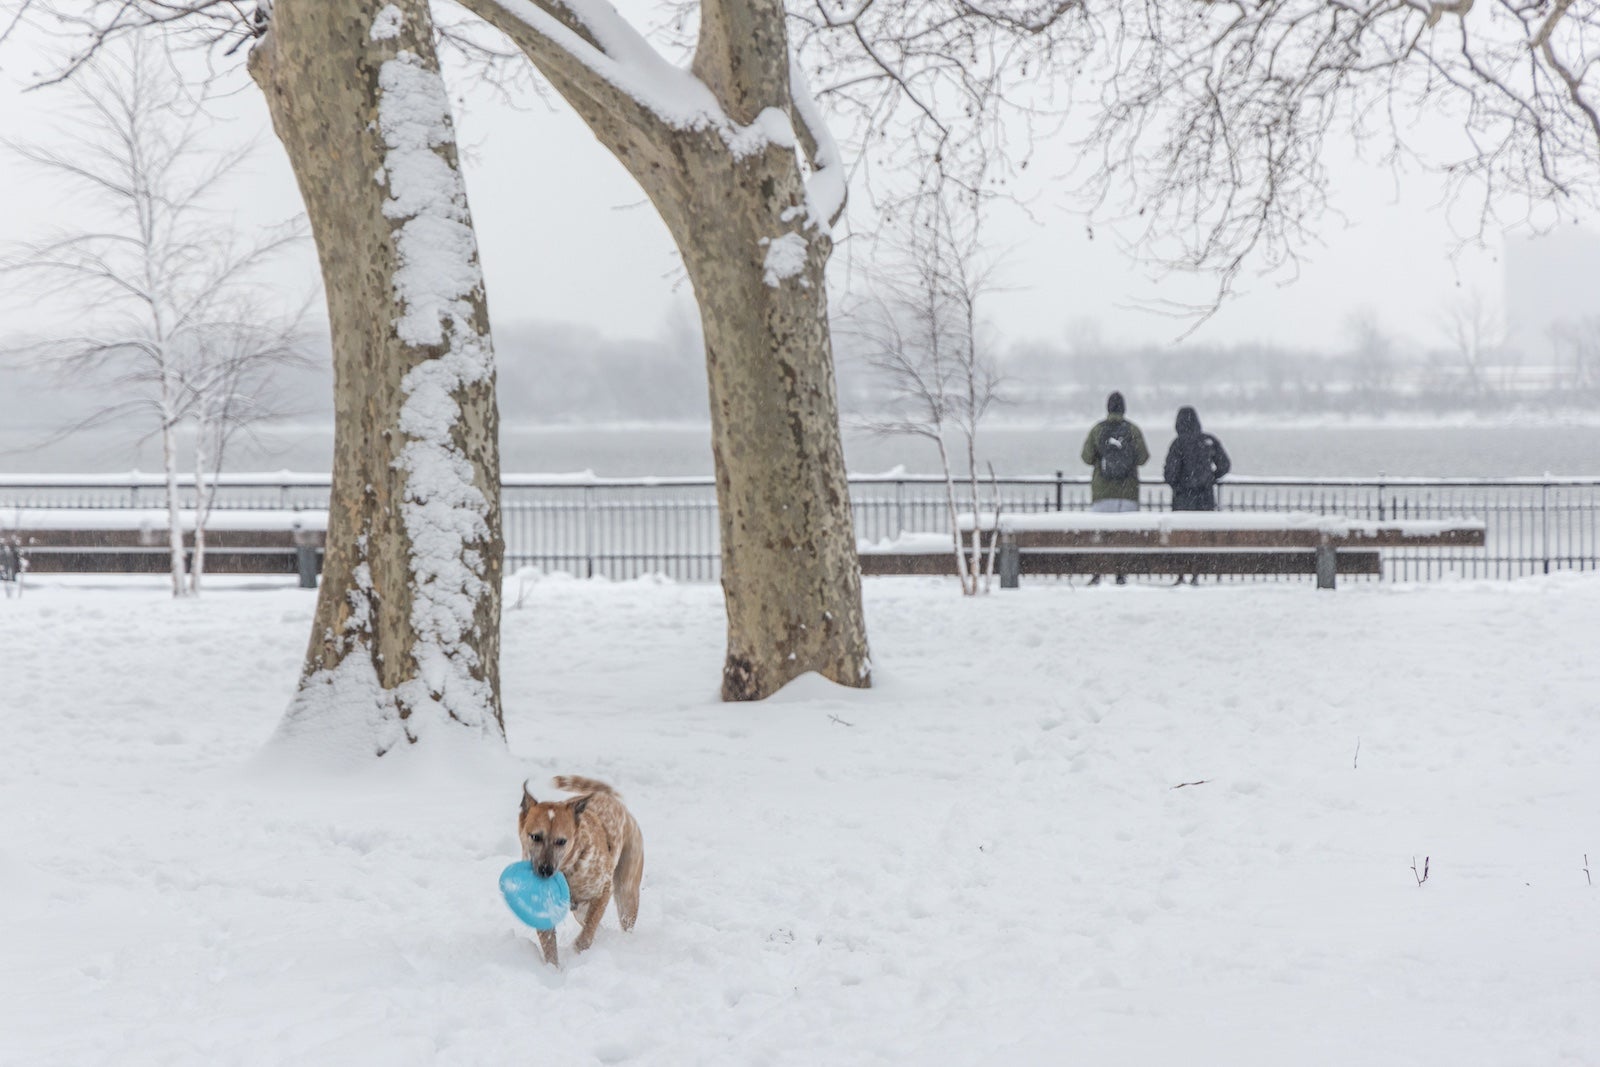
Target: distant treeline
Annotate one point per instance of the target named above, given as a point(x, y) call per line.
point(560, 372)
point(1375, 377)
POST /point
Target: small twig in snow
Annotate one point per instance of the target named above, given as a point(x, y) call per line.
point(1357, 761)
point(1586, 876)
point(1202, 781)
point(1423, 877)
point(840, 721)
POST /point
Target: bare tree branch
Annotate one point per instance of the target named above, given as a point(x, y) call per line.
point(1216, 119)
point(1211, 121)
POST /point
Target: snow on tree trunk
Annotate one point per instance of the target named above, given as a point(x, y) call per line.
point(406, 639)
point(716, 148)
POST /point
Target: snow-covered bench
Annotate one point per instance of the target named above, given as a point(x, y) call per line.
point(1176, 543)
point(111, 541)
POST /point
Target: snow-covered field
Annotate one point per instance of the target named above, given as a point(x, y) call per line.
point(984, 860)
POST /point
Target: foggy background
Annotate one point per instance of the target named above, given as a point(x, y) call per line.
point(597, 335)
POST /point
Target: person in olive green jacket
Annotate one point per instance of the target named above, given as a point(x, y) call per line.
point(1116, 450)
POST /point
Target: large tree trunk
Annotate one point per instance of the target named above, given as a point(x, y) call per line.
point(407, 632)
point(790, 574)
point(732, 192)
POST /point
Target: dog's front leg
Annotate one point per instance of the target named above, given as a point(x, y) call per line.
point(591, 919)
point(547, 941)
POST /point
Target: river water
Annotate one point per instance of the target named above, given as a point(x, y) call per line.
point(1528, 449)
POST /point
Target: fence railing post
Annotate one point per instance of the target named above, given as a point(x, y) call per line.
point(1327, 564)
point(1060, 486)
point(1544, 522)
point(1009, 561)
point(588, 530)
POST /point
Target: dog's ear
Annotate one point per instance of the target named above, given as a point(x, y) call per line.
point(527, 799)
point(578, 806)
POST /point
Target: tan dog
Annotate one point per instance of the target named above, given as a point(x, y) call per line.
point(595, 842)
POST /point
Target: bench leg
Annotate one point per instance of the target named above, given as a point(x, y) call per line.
point(1010, 563)
point(308, 565)
point(1327, 567)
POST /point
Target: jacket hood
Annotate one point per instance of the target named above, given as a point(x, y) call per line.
point(1188, 420)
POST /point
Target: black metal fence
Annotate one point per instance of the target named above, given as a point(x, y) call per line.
point(626, 527)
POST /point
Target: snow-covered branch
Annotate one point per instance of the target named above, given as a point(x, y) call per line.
point(621, 83)
point(827, 186)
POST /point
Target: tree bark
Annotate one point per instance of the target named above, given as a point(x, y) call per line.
point(739, 214)
point(406, 638)
point(790, 575)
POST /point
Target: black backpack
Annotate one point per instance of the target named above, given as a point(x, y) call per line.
point(1117, 459)
point(1205, 462)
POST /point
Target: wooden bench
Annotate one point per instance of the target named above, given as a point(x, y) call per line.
point(78, 541)
point(1178, 543)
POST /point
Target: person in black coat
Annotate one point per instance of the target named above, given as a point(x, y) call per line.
point(1194, 463)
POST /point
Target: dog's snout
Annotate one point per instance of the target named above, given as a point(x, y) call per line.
point(546, 870)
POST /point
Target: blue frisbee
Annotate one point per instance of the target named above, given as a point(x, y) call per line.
point(540, 902)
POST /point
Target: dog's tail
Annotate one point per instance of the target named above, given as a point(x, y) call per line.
point(573, 783)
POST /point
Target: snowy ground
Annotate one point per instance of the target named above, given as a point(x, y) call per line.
point(985, 862)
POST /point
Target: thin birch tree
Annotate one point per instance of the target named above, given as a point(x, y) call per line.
point(922, 334)
point(153, 277)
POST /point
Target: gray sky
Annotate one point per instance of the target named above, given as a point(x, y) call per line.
point(566, 235)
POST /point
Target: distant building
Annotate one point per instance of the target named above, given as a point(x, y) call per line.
point(1550, 279)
